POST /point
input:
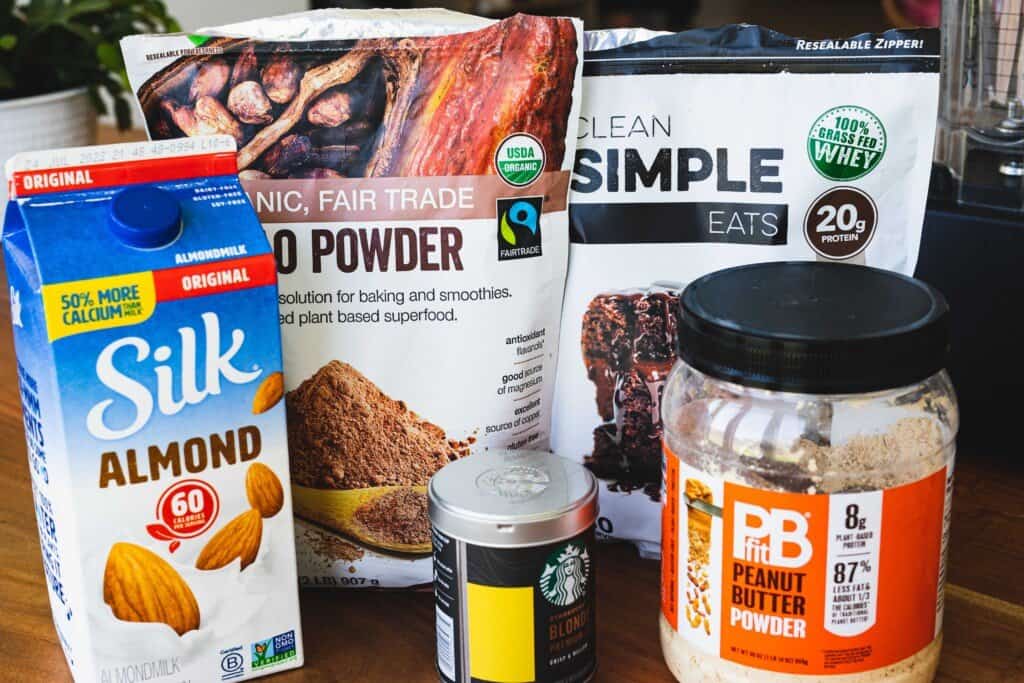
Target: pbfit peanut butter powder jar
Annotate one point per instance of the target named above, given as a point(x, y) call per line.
point(513, 535)
point(809, 447)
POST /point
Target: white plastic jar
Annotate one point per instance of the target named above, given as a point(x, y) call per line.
point(809, 446)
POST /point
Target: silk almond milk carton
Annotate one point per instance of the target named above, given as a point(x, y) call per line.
point(144, 305)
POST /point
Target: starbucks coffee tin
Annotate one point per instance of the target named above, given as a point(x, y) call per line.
point(513, 535)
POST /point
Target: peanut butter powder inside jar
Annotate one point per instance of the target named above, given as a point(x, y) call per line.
point(809, 447)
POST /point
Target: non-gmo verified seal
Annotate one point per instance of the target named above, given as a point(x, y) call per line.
point(272, 651)
point(846, 143)
point(520, 159)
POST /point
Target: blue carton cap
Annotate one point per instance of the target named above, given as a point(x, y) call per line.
point(145, 217)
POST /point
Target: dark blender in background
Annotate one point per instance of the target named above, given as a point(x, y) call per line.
point(981, 117)
point(973, 247)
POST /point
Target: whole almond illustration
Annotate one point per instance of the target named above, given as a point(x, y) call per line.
point(141, 586)
point(268, 393)
point(263, 489)
point(239, 539)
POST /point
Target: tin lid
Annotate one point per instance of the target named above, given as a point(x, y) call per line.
point(510, 499)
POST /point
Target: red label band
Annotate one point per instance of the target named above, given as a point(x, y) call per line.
point(215, 277)
point(71, 178)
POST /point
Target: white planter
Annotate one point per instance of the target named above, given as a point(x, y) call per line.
point(60, 119)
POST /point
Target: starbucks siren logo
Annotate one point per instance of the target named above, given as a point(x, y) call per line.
point(564, 580)
point(519, 159)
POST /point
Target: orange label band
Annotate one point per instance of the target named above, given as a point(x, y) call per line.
point(670, 514)
point(803, 583)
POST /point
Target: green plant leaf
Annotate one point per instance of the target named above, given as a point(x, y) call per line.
point(51, 45)
point(86, 33)
point(79, 7)
point(97, 101)
point(123, 112)
point(44, 5)
point(10, 22)
point(110, 56)
point(40, 14)
point(6, 79)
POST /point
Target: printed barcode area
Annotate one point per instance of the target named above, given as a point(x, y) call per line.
point(445, 644)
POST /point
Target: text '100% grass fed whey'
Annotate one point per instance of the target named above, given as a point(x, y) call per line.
point(809, 445)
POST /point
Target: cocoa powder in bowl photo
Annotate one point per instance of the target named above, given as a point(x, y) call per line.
point(398, 517)
point(345, 433)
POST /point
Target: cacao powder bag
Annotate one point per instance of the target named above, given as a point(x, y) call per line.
point(411, 169)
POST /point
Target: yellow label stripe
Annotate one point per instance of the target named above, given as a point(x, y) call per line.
point(500, 633)
point(98, 303)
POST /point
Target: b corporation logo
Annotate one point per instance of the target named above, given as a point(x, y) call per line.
point(232, 664)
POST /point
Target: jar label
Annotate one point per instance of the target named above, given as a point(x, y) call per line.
point(804, 583)
point(515, 615)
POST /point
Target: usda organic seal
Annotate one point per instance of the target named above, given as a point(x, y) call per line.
point(519, 159)
point(846, 143)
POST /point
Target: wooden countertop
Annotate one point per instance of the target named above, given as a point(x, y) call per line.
point(389, 636)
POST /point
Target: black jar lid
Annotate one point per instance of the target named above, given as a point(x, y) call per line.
point(818, 328)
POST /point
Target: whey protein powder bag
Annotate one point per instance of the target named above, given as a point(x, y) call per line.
point(411, 170)
point(709, 149)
